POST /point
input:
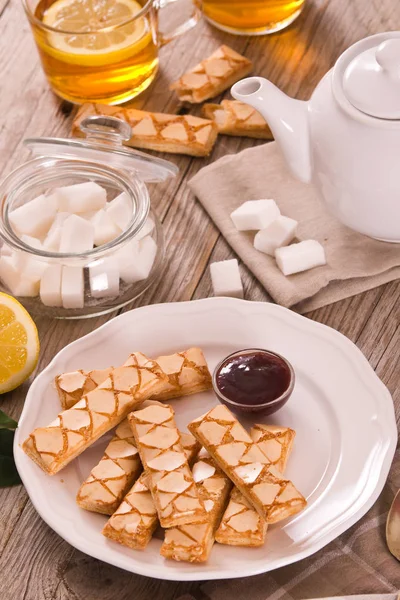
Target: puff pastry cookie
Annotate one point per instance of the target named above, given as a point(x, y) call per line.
point(241, 525)
point(246, 465)
point(177, 134)
point(236, 118)
point(169, 477)
point(212, 76)
point(135, 520)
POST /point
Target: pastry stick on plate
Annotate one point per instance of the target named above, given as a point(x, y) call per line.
point(187, 373)
point(193, 543)
point(169, 476)
point(241, 525)
point(135, 520)
point(212, 76)
point(236, 118)
point(274, 497)
point(72, 386)
point(113, 476)
point(75, 429)
point(177, 134)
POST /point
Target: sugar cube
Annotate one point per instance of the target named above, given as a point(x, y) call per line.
point(146, 229)
point(25, 263)
point(72, 287)
point(120, 210)
point(81, 197)
point(77, 235)
point(300, 257)
point(137, 265)
point(278, 233)
point(52, 240)
point(19, 284)
point(35, 217)
point(225, 278)
point(104, 278)
point(50, 286)
point(255, 214)
point(105, 229)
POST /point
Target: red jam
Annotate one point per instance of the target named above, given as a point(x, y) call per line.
point(253, 378)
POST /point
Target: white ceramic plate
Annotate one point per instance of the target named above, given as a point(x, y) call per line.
point(342, 413)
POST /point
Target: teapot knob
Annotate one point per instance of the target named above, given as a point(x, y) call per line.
point(388, 56)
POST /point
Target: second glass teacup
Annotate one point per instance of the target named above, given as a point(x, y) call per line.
point(100, 50)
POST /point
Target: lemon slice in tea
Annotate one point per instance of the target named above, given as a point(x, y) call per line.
point(19, 344)
point(96, 32)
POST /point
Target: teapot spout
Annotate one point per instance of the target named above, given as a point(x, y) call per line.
point(286, 117)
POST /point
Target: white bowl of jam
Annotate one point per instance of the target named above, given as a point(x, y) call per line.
point(254, 380)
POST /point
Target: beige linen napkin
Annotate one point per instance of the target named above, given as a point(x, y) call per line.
point(356, 263)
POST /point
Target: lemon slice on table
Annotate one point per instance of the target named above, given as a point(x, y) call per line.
point(101, 36)
point(19, 344)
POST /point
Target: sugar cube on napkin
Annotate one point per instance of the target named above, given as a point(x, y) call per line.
point(255, 214)
point(278, 233)
point(300, 257)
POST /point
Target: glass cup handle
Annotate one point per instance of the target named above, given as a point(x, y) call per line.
point(168, 36)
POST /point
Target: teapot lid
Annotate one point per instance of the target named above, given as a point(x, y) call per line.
point(371, 80)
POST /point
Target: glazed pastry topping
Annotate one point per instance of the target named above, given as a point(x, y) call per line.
point(178, 134)
point(246, 465)
point(241, 525)
point(114, 475)
point(193, 543)
point(236, 118)
point(212, 76)
point(169, 477)
point(135, 521)
point(72, 386)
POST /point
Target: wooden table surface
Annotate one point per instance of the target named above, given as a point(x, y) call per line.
point(35, 563)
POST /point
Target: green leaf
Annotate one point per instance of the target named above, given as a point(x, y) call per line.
point(6, 422)
point(6, 442)
point(8, 471)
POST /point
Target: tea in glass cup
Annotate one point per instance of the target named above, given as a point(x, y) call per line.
point(251, 17)
point(99, 50)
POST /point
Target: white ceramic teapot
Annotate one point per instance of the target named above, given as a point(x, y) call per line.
point(346, 139)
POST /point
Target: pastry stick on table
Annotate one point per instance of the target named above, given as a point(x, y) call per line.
point(236, 118)
point(113, 476)
point(74, 430)
point(177, 134)
point(232, 448)
point(241, 525)
point(135, 520)
point(212, 76)
point(193, 543)
point(169, 476)
point(75, 384)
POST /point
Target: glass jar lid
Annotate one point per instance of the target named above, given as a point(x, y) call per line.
point(104, 143)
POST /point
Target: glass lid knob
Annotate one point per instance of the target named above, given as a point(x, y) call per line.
point(106, 129)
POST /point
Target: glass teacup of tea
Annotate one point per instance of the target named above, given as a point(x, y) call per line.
point(251, 17)
point(100, 50)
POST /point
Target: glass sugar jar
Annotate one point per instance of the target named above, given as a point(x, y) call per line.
point(78, 236)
